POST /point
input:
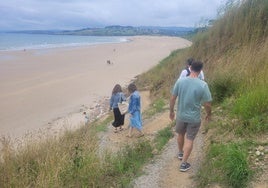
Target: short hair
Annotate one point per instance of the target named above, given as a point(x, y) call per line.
point(196, 66)
point(132, 87)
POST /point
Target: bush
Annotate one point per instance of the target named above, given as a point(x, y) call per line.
point(223, 87)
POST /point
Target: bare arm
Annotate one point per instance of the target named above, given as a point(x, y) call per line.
point(171, 107)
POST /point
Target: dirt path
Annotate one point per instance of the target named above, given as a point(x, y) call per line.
point(163, 170)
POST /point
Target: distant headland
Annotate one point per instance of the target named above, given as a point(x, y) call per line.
point(117, 30)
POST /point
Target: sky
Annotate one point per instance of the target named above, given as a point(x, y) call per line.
point(78, 14)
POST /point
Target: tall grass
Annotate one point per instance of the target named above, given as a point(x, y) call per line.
point(242, 22)
point(161, 78)
point(73, 160)
point(252, 108)
point(252, 104)
point(226, 164)
point(236, 60)
point(223, 86)
point(40, 163)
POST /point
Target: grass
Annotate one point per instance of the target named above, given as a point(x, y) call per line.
point(114, 170)
point(74, 160)
point(252, 103)
point(157, 106)
point(223, 86)
point(70, 162)
point(161, 78)
point(226, 164)
point(163, 136)
point(101, 126)
point(128, 162)
point(43, 163)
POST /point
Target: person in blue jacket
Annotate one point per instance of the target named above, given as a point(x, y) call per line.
point(134, 110)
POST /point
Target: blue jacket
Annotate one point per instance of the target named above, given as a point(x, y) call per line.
point(117, 98)
point(134, 103)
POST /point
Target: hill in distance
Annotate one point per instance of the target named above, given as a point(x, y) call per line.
point(117, 30)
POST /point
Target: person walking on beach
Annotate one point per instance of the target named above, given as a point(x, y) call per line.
point(117, 97)
point(86, 118)
point(186, 72)
point(192, 93)
point(134, 110)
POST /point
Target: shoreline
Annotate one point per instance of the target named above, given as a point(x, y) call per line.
point(43, 89)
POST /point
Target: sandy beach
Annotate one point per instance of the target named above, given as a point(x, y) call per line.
point(40, 88)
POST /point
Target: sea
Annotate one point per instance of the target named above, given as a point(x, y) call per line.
point(23, 41)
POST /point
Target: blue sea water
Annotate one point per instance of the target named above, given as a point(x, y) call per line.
point(21, 41)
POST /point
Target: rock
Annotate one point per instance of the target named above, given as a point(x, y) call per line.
point(260, 148)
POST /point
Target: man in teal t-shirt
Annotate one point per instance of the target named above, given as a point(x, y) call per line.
point(192, 93)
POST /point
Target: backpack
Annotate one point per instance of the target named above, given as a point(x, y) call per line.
point(188, 71)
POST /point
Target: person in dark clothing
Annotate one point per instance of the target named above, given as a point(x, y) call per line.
point(117, 97)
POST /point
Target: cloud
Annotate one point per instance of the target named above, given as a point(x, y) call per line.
point(76, 14)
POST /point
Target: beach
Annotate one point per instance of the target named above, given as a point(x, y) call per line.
point(50, 88)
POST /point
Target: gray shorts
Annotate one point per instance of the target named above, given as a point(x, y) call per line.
point(191, 129)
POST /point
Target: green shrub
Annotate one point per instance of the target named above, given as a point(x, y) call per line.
point(235, 166)
point(251, 107)
point(252, 104)
point(226, 165)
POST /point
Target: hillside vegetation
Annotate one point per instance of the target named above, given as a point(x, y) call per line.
point(235, 55)
point(118, 30)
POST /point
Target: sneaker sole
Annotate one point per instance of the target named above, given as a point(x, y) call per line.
point(184, 170)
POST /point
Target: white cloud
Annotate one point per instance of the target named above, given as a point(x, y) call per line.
point(76, 14)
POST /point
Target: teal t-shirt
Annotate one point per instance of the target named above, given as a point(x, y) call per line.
point(191, 93)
